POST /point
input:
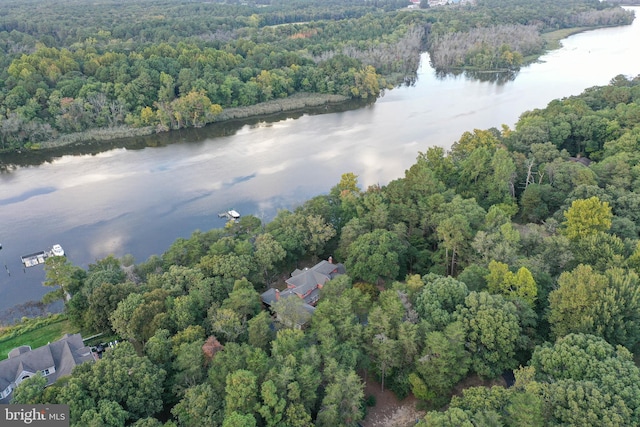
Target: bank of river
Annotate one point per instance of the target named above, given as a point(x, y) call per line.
point(136, 196)
point(297, 102)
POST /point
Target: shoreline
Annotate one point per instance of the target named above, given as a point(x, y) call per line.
point(298, 102)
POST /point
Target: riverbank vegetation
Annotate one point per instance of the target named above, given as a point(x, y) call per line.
point(519, 249)
point(127, 69)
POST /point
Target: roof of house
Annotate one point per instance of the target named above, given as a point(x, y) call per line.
point(325, 267)
point(305, 282)
point(19, 350)
point(63, 354)
point(269, 297)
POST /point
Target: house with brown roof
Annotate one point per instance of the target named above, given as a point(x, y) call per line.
point(53, 361)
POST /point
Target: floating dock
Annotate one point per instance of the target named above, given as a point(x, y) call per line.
point(40, 257)
point(34, 259)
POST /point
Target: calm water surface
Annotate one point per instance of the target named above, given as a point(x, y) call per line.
point(135, 200)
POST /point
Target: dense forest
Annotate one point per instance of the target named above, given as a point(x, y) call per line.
point(68, 68)
point(517, 250)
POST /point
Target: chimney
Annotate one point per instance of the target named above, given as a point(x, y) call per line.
point(330, 259)
point(277, 295)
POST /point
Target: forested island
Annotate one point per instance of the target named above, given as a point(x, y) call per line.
point(72, 72)
point(517, 250)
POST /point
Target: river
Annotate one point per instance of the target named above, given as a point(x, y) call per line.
point(138, 196)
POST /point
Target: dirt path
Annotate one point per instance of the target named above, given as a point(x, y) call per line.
point(389, 410)
point(392, 412)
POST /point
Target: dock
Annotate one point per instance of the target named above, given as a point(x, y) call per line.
point(38, 258)
point(34, 259)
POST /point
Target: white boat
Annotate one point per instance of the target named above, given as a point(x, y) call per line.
point(231, 215)
point(57, 250)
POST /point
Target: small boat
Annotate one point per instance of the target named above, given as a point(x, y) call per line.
point(57, 250)
point(231, 215)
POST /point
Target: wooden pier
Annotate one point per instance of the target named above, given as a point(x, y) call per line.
point(34, 259)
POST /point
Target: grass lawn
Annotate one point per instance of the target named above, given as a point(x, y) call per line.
point(38, 337)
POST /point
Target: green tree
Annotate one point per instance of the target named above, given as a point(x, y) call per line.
point(151, 422)
point(288, 229)
point(381, 343)
point(574, 402)
point(319, 233)
point(120, 378)
point(453, 417)
point(234, 419)
point(122, 315)
point(103, 301)
point(241, 392)
point(59, 271)
point(600, 382)
point(291, 312)
point(519, 285)
point(105, 270)
point(273, 407)
point(226, 323)
point(569, 304)
point(601, 304)
point(443, 362)
point(188, 366)
point(586, 217)
point(107, 413)
point(230, 266)
point(478, 400)
point(268, 253)
point(30, 391)
point(158, 348)
point(133, 381)
point(200, 406)
point(375, 256)
point(470, 142)
point(439, 299)
point(187, 310)
point(259, 330)
point(297, 416)
point(498, 242)
point(348, 184)
point(525, 409)
point(343, 400)
point(194, 109)
point(454, 232)
point(493, 329)
point(138, 316)
point(243, 299)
